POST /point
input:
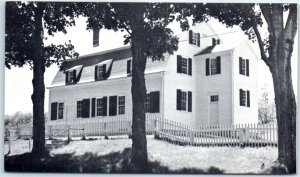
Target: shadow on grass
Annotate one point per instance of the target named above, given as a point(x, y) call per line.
point(117, 162)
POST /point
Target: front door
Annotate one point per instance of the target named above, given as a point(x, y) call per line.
point(213, 110)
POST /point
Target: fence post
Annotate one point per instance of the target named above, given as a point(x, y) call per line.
point(105, 136)
point(191, 136)
point(156, 134)
point(69, 135)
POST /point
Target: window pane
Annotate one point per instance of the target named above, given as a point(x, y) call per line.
point(243, 67)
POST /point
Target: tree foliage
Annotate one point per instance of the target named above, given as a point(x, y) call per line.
point(266, 109)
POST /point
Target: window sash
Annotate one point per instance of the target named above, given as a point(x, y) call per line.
point(99, 106)
point(79, 109)
point(213, 66)
point(121, 104)
point(214, 98)
point(60, 110)
point(243, 67)
point(100, 72)
point(147, 102)
point(184, 66)
point(183, 101)
point(71, 78)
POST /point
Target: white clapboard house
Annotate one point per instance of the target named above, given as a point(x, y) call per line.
point(207, 81)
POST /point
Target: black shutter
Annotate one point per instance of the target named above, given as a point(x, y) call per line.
point(53, 111)
point(179, 64)
point(154, 102)
point(190, 66)
point(104, 75)
point(95, 37)
point(190, 101)
point(207, 66)
point(74, 76)
point(113, 105)
point(178, 99)
point(93, 107)
point(241, 97)
point(198, 39)
point(96, 72)
point(67, 77)
point(213, 41)
point(104, 103)
point(218, 65)
point(128, 66)
point(248, 98)
point(218, 41)
point(191, 37)
point(247, 67)
point(85, 108)
point(240, 63)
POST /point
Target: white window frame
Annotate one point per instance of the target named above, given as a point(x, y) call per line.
point(60, 113)
point(79, 108)
point(213, 66)
point(121, 105)
point(147, 103)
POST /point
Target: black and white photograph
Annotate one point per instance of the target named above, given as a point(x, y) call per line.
point(150, 87)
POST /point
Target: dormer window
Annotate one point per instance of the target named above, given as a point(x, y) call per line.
point(194, 38)
point(100, 72)
point(102, 69)
point(215, 41)
point(72, 74)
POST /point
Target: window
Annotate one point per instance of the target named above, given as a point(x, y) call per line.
point(214, 98)
point(184, 65)
point(129, 67)
point(215, 41)
point(95, 37)
point(213, 66)
point(184, 100)
point(99, 107)
point(244, 66)
point(70, 76)
point(244, 98)
point(57, 111)
point(147, 102)
point(194, 38)
point(60, 110)
point(152, 102)
point(100, 72)
point(79, 109)
point(121, 104)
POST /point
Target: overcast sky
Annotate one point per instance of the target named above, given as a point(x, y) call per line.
point(18, 81)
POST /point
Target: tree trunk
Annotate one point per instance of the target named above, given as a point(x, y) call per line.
point(285, 104)
point(138, 91)
point(38, 96)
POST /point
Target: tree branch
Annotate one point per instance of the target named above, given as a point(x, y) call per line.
point(266, 11)
point(291, 23)
point(261, 46)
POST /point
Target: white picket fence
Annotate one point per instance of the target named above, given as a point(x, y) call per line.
point(217, 135)
point(178, 133)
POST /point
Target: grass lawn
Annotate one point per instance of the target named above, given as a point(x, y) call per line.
point(113, 155)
